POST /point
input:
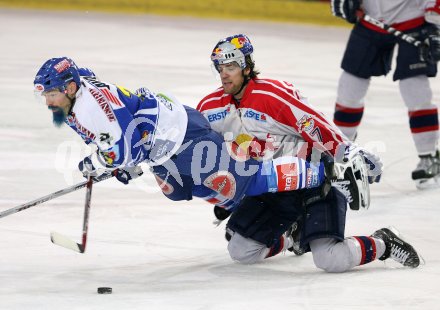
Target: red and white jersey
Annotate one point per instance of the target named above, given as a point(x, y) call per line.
point(272, 119)
point(397, 11)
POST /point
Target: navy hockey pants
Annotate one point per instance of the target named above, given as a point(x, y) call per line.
point(202, 167)
point(369, 53)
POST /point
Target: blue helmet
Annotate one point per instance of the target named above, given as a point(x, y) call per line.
point(55, 74)
point(86, 72)
point(233, 48)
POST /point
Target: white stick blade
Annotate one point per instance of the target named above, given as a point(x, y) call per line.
point(65, 242)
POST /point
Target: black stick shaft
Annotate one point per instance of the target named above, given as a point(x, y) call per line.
point(52, 196)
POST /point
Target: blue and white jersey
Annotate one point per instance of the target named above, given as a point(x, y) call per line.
point(126, 128)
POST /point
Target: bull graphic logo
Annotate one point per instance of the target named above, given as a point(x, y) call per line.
point(238, 42)
point(109, 157)
point(306, 123)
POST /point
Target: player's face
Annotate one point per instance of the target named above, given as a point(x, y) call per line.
point(232, 77)
point(59, 103)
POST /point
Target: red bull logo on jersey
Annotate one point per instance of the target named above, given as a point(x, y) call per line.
point(109, 157)
point(245, 146)
point(222, 182)
point(306, 123)
point(145, 135)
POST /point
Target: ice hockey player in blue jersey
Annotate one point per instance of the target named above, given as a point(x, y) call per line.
point(187, 157)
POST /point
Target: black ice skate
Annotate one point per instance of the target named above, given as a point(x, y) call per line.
point(427, 173)
point(295, 233)
point(396, 248)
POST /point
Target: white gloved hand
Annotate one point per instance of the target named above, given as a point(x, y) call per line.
point(345, 153)
point(375, 165)
point(432, 14)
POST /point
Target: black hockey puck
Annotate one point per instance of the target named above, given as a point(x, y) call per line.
point(104, 290)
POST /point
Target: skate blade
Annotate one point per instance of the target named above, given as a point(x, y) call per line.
point(395, 265)
point(430, 183)
point(392, 264)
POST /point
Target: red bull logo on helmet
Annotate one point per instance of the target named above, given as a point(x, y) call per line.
point(217, 53)
point(239, 41)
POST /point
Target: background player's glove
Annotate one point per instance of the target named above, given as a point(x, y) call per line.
point(430, 51)
point(432, 14)
point(346, 9)
point(127, 174)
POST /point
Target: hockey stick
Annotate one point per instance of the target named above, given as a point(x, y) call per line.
point(53, 195)
point(404, 37)
point(68, 243)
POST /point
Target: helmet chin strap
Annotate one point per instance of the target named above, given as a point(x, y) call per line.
point(72, 102)
point(245, 81)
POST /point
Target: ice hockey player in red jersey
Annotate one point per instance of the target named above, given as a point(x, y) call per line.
point(266, 118)
point(369, 53)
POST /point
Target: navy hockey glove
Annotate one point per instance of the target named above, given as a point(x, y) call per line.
point(346, 9)
point(86, 167)
point(127, 174)
point(430, 51)
point(123, 175)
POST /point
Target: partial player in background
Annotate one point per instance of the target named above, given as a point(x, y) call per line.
point(369, 53)
point(186, 156)
point(270, 119)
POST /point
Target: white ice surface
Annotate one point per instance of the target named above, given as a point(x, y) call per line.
point(158, 254)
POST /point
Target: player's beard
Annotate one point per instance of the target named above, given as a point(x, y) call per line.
point(58, 116)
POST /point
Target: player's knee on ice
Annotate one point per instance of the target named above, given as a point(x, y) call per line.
point(332, 255)
point(245, 250)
